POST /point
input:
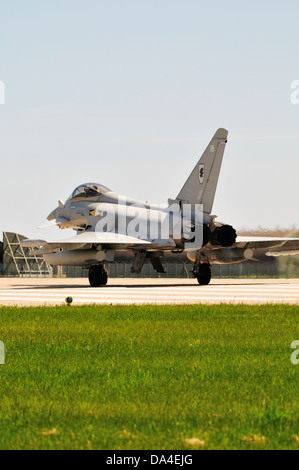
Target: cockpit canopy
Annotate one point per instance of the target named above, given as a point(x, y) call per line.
point(88, 190)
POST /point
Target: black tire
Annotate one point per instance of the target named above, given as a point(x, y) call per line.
point(204, 274)
point(98, 276)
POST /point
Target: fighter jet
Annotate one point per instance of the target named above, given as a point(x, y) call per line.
point(106, 223)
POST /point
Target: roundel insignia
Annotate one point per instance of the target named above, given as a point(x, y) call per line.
point(201, 173)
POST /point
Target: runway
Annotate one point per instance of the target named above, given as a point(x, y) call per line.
point(53, 291)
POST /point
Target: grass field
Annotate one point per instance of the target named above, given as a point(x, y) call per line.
point(149, 377)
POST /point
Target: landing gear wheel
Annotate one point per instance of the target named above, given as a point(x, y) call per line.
point(204, 274)
point(98, 276)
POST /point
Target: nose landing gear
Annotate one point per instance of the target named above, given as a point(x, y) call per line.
point(98, 275)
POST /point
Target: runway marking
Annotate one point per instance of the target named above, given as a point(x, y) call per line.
point(141, 292)
point(144, 298)
point(156, 288)
point(229, 300)
point(138, 293)
point(153, 291)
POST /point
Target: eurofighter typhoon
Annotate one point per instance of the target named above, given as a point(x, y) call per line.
point(106, 223)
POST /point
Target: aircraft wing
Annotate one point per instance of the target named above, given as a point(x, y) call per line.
point(276, 246)
point(84, 240)
point(273, 244)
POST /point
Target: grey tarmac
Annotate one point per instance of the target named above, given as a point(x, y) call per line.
point(53, 291)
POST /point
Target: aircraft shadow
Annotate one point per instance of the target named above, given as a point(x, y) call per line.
point(138, 286)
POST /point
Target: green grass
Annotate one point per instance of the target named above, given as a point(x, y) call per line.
point(149, 377)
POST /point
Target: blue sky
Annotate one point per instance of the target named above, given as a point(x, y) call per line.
point(129, 93)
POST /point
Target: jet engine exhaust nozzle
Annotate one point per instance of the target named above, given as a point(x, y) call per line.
point(225, 235)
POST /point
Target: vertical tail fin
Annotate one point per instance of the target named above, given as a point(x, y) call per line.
point(201, 185)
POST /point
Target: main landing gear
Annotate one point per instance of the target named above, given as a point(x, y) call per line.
point(98, 275)
point(202, 272)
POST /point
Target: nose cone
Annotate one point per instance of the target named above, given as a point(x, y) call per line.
point(54, 214)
